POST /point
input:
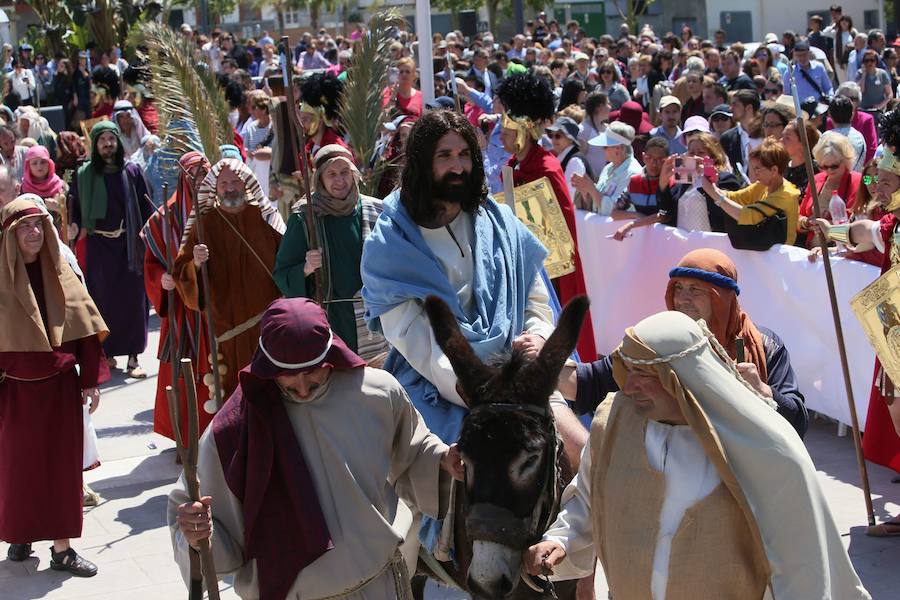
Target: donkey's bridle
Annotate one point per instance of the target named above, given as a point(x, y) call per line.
point(543, 514)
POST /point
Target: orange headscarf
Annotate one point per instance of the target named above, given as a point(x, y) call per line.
point(728, 320)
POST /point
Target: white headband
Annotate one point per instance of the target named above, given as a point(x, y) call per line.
point(301, 365)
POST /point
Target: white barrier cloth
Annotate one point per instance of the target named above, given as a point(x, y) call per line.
point(780, 289)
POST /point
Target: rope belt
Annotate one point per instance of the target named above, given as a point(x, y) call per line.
point(397, 565)
point(4, 376)
point(242, 328)
point(111, 234)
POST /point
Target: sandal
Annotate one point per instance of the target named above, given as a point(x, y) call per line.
point(134, 369)
point(886, 529)
point(19, 552)
point(70, 561)
point(90, 497)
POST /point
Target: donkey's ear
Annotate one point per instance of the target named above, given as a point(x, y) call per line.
point(542, 374)
point(471, 373)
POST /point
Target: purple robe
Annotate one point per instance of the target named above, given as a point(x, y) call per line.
point(117, 289)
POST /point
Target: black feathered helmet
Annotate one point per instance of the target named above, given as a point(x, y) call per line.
point(321, 95)
point(889, 130)
point(529, 103)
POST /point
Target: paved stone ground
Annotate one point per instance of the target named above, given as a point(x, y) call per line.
point(126, 534)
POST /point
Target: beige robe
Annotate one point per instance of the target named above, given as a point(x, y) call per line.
point(366, 448)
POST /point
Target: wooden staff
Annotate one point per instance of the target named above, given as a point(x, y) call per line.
point(189, 455)
point(215, 403)
point(298, 135)
point(832, 296)
point(170, 294)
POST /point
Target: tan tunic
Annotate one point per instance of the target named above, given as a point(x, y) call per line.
point(241, 287)
point(366, 447)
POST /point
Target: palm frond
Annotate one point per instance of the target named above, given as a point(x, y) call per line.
point(360, 110)
point(192, 108)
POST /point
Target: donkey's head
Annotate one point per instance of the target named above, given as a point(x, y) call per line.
point(508, 443)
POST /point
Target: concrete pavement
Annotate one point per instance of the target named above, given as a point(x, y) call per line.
point(126, 534)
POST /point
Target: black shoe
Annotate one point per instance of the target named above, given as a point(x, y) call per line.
point(71, 562)
point(18, 552)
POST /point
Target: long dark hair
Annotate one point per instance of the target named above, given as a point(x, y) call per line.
point(571, 88)
point(417, 180)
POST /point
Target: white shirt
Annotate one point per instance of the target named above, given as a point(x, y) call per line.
point(23, 83)
point(613, 181)
point(575, 165)
point(690, 477)
point(693, 212)
point(407, 328)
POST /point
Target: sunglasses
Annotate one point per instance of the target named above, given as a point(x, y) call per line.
point(720, 118)
point(833, 167)
point(869, 179)
point(868, 60)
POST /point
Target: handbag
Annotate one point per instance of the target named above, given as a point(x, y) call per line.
point(763, 235)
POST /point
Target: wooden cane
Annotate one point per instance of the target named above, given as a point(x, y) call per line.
point(190, 454)
point(298, 135)
point(832, 296)
point(213, 405)
point(170, 294)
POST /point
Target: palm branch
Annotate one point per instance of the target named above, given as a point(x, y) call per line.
point(192, 108)
point(360, 108)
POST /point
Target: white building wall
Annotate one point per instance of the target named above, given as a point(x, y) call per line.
point(777, 16)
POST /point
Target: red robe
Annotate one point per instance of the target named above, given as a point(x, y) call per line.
point(541, 163)
point(104, 110)
point(881, 445)
point(149, 115)
point(192, 341)
point(42, 435)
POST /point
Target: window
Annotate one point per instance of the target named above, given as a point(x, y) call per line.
point(870, 19)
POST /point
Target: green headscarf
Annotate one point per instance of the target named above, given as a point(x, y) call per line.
point(91, 186)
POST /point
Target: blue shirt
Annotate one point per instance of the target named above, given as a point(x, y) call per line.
point(675, 145)
point(805, 89)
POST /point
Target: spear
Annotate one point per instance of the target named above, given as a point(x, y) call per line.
point(212, 405)
point(297, 133)
point(832, 296)
point(189, 455)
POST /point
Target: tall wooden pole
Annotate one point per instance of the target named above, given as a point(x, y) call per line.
point(298, 136)
point(213, 405)
point(832, 296)
point(170, 294)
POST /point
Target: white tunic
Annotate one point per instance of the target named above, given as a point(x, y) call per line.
point(408, 329)
point(365, 447)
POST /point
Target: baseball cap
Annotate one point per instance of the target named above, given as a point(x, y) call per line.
point(440, 102)
point(580, 56)
point(802, 46)
point(721, 109)
point(668, 101)
point(693, 125)
point(813, 107)
point(567, 126)
point(770, 38)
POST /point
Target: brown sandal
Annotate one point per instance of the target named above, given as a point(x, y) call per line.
point(133, 369)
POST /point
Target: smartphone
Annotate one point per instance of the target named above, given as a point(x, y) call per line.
point(739, 350)
point(709, 170)
point(687, 168)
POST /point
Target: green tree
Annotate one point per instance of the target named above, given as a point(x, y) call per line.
point(631, 10)
point(280, 7)
point(455, 6)
point(54, 19)
point(493, 7)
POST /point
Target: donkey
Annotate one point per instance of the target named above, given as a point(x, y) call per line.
point(515, 465)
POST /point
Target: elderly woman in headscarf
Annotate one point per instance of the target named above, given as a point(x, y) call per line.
point(50, 326)
point(130, 126)
point(343, 219)
point(33, 125)
point(704, 286)
point(39, 177)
